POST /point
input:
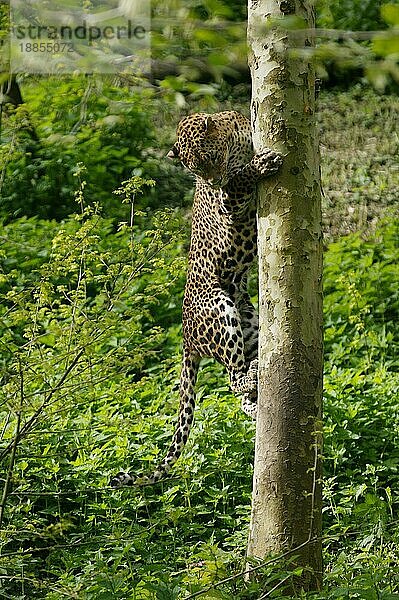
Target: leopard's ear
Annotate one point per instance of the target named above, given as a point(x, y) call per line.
point(209, 124)
point(173, 153)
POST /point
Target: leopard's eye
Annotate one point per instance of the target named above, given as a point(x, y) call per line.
point(206, 157)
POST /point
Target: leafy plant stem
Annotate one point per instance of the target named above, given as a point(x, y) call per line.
point(24, 430)
point(14, 446)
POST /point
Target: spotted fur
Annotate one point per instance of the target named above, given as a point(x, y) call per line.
point(219, 319)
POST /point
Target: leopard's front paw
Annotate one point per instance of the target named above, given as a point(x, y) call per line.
point(267, 163)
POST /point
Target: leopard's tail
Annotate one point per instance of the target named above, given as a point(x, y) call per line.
point(188, 378)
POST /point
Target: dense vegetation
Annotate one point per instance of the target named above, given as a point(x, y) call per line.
point(90, 338)
point(91, 283)
point(80, 119)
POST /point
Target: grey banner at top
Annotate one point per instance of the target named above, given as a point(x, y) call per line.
point(66, 37)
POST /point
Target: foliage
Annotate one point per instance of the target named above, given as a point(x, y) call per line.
point(352, 15)
point(90, 345)
point(359, 155)
point(359, 159)
point(90, 326)
point(356, 40)
point(362, 391)
point(198, 46)
point(77, 119)
point(205, 44)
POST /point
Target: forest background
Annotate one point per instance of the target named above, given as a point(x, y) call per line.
point(94, 239)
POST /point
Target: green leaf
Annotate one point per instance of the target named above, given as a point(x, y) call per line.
point(386, 44)
point(390, 13)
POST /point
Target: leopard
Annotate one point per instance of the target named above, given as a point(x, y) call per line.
point(218, 317)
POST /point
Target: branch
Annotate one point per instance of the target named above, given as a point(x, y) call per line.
point(14, 445)
point(24, 430)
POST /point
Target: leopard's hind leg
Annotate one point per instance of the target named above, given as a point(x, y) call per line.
point(222, 337)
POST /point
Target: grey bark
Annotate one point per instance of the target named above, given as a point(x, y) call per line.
point(286, 506)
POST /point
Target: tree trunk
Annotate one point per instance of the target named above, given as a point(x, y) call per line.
point(286, 505)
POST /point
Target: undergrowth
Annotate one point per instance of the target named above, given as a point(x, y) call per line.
point(90, 338)
point(90, 341)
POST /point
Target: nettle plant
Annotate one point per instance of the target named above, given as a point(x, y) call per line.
point(73, 330)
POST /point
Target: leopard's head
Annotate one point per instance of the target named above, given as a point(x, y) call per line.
point(202, 146)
